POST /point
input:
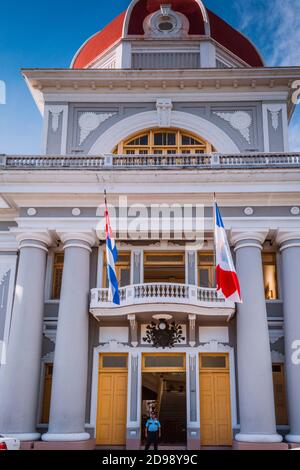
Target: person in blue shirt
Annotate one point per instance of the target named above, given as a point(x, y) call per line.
point(152, 431)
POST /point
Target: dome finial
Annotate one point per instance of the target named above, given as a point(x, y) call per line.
point(165, 9)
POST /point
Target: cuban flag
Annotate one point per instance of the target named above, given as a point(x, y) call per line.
point(111, 259)
point(226, 278)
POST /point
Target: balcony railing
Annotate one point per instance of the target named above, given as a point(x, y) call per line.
point(159, 293)
point(119, 162)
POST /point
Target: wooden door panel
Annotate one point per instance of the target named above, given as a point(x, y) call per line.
point(112, 409)
point(215, 408)
point(223, 412)
point(280, 394)
point(208, 434)
point(207, 409)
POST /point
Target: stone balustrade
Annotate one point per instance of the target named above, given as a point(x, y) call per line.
point(251, 160)
point(157, 293)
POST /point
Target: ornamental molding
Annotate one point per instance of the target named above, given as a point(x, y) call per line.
point(50, 333)
point(55, 111)
point(275, 111)
point(275, 335)
point(179, 23)
point(169, 337)
point(31, 212)
point(277, 357)
point(114, 346)
point(132, 321)
point(49, 357)
point(295, 210)
point(89, 122)
point(239, 120)
point(192, 321)
point(215, 346)
point(248, 211)
point(164, 112)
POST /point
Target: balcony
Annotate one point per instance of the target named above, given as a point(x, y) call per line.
point(147, 162)
point(161, 297)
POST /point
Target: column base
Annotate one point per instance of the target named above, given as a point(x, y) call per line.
point(69, 437)
point(193, 444)
point(65, 445)
point(34, 436)
point(238, 445)
point(294, 446)
point(293, 439)
point(261, 438)
point(133, 444)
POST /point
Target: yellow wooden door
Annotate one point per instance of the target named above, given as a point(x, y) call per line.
point(207, 409)
point(279, 394)
point(47, 393)
point(112, 407)
point(215, 405)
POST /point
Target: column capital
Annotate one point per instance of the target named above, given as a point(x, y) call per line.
point(288, 238)
point(251, 237)
point(82, 238)
point(33, 238)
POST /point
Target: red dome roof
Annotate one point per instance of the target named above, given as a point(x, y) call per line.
point(130, 23)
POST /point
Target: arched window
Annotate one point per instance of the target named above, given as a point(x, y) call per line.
point(163, 142)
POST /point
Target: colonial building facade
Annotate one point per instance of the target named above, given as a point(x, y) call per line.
point(165, 106)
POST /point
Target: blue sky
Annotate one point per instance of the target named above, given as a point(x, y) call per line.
point(47, 34)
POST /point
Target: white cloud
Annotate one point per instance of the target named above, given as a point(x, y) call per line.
point(274, 26)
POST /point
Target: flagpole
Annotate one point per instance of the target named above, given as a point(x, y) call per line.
point(214, 229)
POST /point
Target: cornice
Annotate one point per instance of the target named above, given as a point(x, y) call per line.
point(57, 81)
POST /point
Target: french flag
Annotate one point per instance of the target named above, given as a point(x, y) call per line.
point(111, 259)
point(227, 281)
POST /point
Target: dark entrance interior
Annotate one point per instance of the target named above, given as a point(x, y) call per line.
point(166, 394)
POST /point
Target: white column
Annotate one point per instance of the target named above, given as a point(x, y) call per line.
point(19, 377)
point(255, 381)
point(68, 401)
point(290, 249)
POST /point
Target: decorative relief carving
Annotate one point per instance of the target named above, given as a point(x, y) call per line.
point(215, 346)
point(192, 320)
point(239, 120)
point(275, 335)
point(55, 113)
point(275, 113)
point(166, 23)
point(295, 210)
point(277, 357)
point(88, 122)
point(76, 212)
point(31, 212)
point(114, 346)
point(248, 211)
point(164, 112)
